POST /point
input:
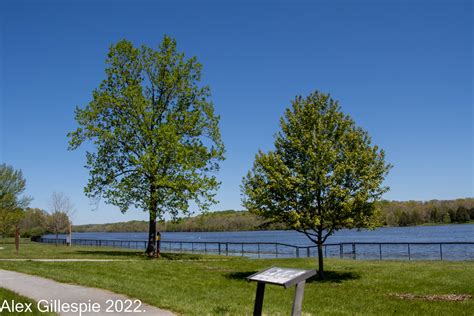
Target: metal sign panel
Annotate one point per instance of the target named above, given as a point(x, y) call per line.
point(282, 276)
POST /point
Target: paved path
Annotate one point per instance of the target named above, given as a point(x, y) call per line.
point(38, 288)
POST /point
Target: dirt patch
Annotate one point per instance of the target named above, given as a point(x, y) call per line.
point(433, 297)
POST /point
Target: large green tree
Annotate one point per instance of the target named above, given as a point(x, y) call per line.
point(155, 132)
point(323, 175)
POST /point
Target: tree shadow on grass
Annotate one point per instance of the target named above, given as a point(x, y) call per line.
point(334, 277)
point(240, 275)
point(329, 276)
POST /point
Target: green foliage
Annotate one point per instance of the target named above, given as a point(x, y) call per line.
point(446, 218)
point(156, 135)
point(462, 215)
point(58, 222)
point(12, 200)
point(421, 212)
point(155, 131)
point(34, 222)
point(12, 186)
point(390, 212)
point(323, 175)
point(208, 222)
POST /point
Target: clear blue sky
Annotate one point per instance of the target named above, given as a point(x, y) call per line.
point(401, 69)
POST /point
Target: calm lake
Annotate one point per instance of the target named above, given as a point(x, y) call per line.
point(227, 243)
point(444, 233)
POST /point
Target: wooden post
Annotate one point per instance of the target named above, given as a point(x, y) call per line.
point(257, 309)
point(298, 301)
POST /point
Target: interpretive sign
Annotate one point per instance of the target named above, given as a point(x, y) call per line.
point(281, 276)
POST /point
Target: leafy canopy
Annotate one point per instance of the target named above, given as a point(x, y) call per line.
point(12, 198)
point(323, 175)
point(12, 187)
point(154, 129)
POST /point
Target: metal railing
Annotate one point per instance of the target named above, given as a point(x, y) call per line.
point(352, 250)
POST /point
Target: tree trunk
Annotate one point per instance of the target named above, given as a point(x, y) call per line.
point(70, 234)
point(320, 261)
point(158, 244)
point(57, 238)
point(152, 249)
point(17, 238)
point(320, 254)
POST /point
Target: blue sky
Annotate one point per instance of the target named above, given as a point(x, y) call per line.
point(401, 69)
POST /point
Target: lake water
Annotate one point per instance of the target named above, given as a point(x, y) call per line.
point(245, 243)
point(442, 233)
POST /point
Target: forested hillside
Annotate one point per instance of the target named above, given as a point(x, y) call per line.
point(393, 213)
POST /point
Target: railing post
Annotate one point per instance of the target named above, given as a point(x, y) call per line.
point(180, 246)
point(226, 248)
point(341, 249)
point(192, 247)
point(276, 250)
point(219, 248)
point(307, 252)
point(297, 252)
point(258, 249)
point(353, 251)
point(325, 251)
point(441, 251)
point(205, 247)
point(242, 249)
point(380, 251)
point(409, 252)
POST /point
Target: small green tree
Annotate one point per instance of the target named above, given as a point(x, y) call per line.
point(323, 175)
point(446, 218)
point(12, 198)
point(156, 135)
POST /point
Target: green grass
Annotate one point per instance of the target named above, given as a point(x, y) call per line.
point(204, 285)
point(12, 296)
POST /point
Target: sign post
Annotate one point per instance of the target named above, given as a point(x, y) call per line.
point(284, 277)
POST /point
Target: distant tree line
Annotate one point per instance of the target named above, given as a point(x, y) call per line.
point(410, 213)
point(393, 213)
point(17, 219)
point(229, 220)
point(37, 222)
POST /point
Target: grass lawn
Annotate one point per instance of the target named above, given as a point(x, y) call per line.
point(203, 285)
point(9, 296)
